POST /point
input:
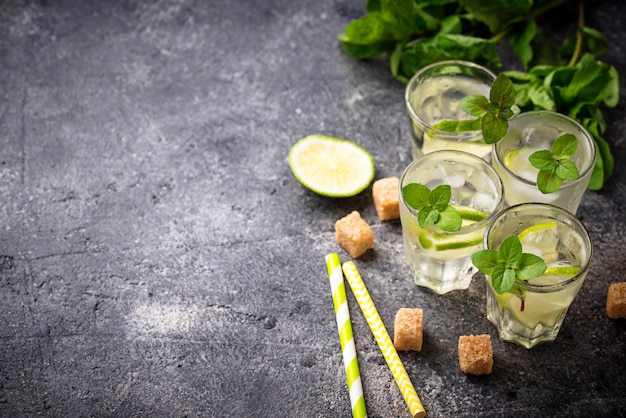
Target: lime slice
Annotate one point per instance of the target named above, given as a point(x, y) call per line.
point(541, 240)
point(472, 215)
point(443, 242)
point(562, 271)
point(331, 166)
point(516, 160)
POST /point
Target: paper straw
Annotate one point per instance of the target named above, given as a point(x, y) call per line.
point(344, 326)
point(382, 339)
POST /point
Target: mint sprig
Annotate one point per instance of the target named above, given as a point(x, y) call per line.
point(433, 206)
point(495, 112)
point(555, 166)
point(492, 113)
point(508, 264)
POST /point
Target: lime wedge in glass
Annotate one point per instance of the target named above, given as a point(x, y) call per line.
point(330, 166)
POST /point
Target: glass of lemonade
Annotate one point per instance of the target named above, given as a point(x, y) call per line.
point(533, 311)
point(537, 130)
point(433, 94)
point(440, 260)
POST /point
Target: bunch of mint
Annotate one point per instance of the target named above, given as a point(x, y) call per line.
point(567, 78)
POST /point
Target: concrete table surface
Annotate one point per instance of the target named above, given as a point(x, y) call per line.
point(158, 258)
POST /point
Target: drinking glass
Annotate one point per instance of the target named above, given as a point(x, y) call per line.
point(433, 94)
point(533, 311)
point(537, 130)
point(440, 260)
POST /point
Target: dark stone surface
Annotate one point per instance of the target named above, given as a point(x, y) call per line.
point(159, 259)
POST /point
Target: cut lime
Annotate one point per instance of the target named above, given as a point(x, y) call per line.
point(517, 161)
point(562, 271)
point(541, 240)
point(331, 166)
point(472, 215)
point(443, 242)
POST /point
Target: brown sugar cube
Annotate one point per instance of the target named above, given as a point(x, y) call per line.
point(475, 354)
point(616, 301)
point(386, 198)
point(353, 234)
point(408, 329)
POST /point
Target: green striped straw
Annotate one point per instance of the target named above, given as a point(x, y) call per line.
point(344, 326)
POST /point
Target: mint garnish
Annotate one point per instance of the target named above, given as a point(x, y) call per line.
point(508, 264)
point(492, 113)
point(433, 206)
point(555, 166)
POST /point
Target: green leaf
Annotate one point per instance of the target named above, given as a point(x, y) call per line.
point(508, 279)
point(567, 170)
point(502, 92)
point(475, 105)
point(496, 13)
point(453, 125)
point(485, 260)
point(530, 266)
point(449, 219)
point(416, 195)
point(440, 196)
point(433, 206)
point(548, 181)
point(427, 217)
point(398, 16)
point(543, 160)
point(565, 146)
point(510, 251)
point(493, 127)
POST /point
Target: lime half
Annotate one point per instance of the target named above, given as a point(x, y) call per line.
point(331, 166)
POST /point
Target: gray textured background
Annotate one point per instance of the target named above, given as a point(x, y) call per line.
point(159, 259)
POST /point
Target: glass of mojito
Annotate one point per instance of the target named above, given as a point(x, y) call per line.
point(532, 311)
point(440, 259)
point(434, 94)
point(534, 131)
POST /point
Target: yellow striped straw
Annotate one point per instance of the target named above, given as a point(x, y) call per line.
point(382, 339)
point(344, 326)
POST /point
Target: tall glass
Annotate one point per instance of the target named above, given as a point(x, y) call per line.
point(537, 130)
point(440, 260)
point(535, 312)
point(433, 94)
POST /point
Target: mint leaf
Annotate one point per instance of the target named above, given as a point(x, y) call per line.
point(555, 166)
point(449, 219)
point(508, 264)
point(427, 217)
point(510, 251)
point(416, 195)
point(433, 206)
point(543, 160)
point(567, 170)
point(565, 146)
point(502, 92)
point(485, 261)
point(449, 125)
point(440, 196)
point(530, 266)
point(548, 181)
point(493, 127)
point(475, 105)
